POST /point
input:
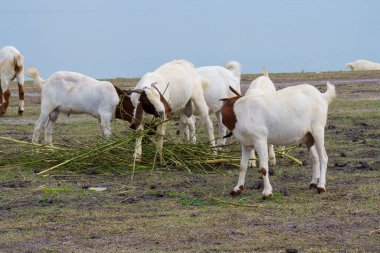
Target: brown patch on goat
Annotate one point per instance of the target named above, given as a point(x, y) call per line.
point(136, 121)
point(263, 171)
point(307, 139)
point(238, 192)
point(124, 109)
point(4, 105)
point(168, 108)
point(20, 92)
point(228, 114)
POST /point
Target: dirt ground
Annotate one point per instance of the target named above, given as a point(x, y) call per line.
point(163, 210)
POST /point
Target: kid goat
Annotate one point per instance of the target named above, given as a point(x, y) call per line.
point(11, 67)
point(296, 113)
point(73, 93)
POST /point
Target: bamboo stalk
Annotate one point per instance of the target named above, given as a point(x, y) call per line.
point(30, 143)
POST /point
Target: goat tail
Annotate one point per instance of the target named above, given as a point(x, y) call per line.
point(265, 72)
point(33, 73)
point(234, 67)
point(330, 93)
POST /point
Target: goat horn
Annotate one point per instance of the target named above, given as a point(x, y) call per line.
point(235, 91)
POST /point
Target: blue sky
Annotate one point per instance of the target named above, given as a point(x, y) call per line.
point(115, 38)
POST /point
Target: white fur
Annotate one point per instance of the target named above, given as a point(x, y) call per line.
point(179, 83)
point(363, 65)
point(281, 118)
point(261, 86)
point(9, 57)
point(73, 93)
point(215, 87)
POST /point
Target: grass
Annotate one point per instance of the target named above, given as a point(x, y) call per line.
point(167, 208)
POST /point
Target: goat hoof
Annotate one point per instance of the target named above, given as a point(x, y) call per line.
point(237, 192)
point(20, 113)
point(313, 186)
point(321, 189)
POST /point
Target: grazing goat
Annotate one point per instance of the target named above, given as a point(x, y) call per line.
point(73, 93)
point(11, 67)
point(175, 85)
point(363, 65)
point(297, 113)
point(259, 87)
point(215, 88)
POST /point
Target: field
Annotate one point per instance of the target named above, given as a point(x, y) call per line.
point(172, 209)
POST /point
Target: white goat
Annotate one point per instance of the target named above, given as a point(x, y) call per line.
point(215, 88)
point(179, 86)
point(363, 65)
point(297, 113)
point(73, 93)
point(11, 67)
point(261, 86)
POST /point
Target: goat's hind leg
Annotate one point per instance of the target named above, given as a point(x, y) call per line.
point(316, 168)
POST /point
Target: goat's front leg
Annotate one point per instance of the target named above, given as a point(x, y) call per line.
point(161, 129)
point(138, 147)
point(262, 151)
point(245, 152)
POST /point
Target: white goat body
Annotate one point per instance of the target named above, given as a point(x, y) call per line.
point(296, 113)
point(73, 93)
point(11, 67)
point(180, 85)
point(217, 79)
point(363, 65)
point(262, 85)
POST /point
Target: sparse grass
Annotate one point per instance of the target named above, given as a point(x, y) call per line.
point(177, 210)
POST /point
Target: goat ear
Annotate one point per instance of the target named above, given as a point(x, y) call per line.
point(136, 120)
point(235, 91)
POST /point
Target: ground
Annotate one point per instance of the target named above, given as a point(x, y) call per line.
point(165, 210)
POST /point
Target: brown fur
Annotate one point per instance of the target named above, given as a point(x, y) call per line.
point(136, 121)
point(228, 114)
point(4, 105)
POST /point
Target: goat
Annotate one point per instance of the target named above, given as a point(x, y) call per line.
point(297, 113)
point(261, 86)
point(73, 93)
point(11, 67)
point(363, 65)
point(175, 85)
point(218, 79)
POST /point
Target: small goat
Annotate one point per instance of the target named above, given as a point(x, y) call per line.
point(11, 67)
point(297, 113)
point(73, 93)
point(259, 87)
point(363, 65)
point(215, 87)
point(173, 87)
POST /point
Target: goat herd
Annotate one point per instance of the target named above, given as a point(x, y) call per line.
point(262, 116)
